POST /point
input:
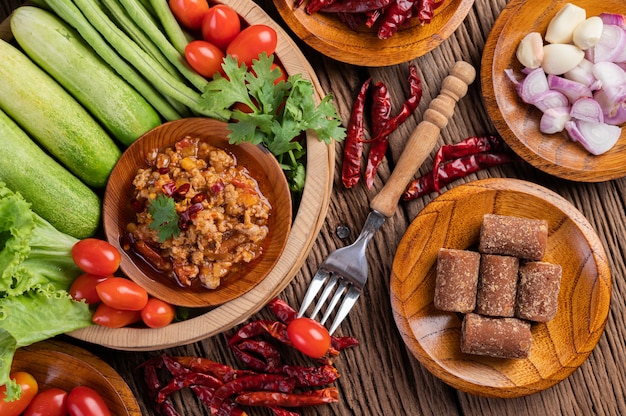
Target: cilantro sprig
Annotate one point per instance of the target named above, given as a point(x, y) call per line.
point(280, 112)
point(164, 217)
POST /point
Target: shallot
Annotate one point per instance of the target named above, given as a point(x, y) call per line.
point(597, 138)
point(553, 120)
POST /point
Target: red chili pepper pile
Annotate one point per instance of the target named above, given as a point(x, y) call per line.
point(459, 160)
point(389, 15)
point(383, 124)
point(267, 381)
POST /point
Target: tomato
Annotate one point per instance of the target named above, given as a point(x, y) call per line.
point(204, 57)
point(220, 25)
point(122, 293)
point(84, 287)
point(309, 337)
point(282, 76)
point(157, 313)
point(49, 402)
point(251, 42)
point(189, 13)
point(29, 390)
point(85, 401)
point(96, 256)
point(114, 318)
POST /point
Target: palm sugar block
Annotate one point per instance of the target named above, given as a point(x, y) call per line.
point(538, 291)
point(495, 337)
point(457, 280)
point(524, 238)
point(497, 285)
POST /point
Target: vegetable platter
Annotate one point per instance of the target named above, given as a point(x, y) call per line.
point(362, 46)
point(518, 122)
point(307, 222)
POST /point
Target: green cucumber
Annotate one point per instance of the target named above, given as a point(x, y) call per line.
point(53, 192)
point(62, 53)
point(53, 118)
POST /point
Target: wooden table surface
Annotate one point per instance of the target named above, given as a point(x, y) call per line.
point(381, 377)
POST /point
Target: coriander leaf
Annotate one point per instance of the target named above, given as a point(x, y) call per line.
point(164, 217)
point(222, 92)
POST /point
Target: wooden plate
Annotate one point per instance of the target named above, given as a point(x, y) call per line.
point(517, 122)
point(559, 347)
point(327, 34)
point(304, 230)
point(58, 364)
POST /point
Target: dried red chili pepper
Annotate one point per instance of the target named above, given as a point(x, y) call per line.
point(425, 10)
point(271, 398)
point(186, 380)
point(312, 376)
point(355, 6)
point(272, 382)
point(258, 355)
point(381, 113)
point(455, 169)
point(395, 16)
point(315, 6)
point(154, 385)
point(353, 143)
point(282, 310)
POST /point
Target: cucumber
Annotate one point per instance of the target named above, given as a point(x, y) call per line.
point(53, 118)
point(53, 192)
point(63, 54)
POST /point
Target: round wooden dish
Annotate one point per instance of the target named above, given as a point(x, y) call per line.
point(308, 220)
point(518, 122)
point(58, 364)
point(559, 346)
point(118, 212)
point(328, 35)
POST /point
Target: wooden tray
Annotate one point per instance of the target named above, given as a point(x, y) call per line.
point(559, 347)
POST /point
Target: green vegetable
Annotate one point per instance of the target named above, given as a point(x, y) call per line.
point(54, 118)
point(55, 194)
point(164, 217)
point(280, 112)
point(36, 271)
point(60, 51)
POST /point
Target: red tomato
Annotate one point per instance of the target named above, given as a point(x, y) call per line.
point(85, 401)
point(204, 57)
point(157, 313)
point(220, 26)
point(84, 287)
point(282, 76)
point(49, 402)
point(189, 13)
point(29, 390)
point(122, 293)
point(251, 42)
point(96, 256)
point(114, 318)
point(309, 337)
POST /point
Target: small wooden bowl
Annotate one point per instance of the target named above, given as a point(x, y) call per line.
point(559, 347)
point(518, 122)
point(58, 364)
point(118, 213)
point(328, 35)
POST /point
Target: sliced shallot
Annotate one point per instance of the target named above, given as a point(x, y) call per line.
point(597, 138)
point(573, 90)
point(553, 120)
point(587, 109)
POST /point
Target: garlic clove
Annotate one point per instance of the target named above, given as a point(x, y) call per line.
point(559, 58)
point(530, 50)
point(565, 21)
point(588, 33)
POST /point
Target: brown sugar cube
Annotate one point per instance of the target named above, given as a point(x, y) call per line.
point(513, 236)
point(497, 285)
point(495, 337)
point(538, 291)
point(457, 280)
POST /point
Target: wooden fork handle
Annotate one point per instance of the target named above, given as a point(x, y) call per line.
point(424, 137)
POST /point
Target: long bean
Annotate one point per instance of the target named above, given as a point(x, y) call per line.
point(171, 27)
point(142, 61)
point(67, 11)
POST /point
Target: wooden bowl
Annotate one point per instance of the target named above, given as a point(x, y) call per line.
point(559, 346)
point(58, 364)
point(518, 122)
point(328, 35)
point(118, 212)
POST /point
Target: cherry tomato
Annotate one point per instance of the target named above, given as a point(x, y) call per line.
point(96, 256)
point(85, 401)
point(84, 287)
point(189, 13)
point(204, 57)
point(251, 42)
point(122, 293)
point(29, 390)
point(114, 318)
point(309, 337)
point(157, 313)
point(220, 25)
point(282, 76)
point(49, 402)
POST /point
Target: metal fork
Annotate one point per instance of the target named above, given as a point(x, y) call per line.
point(345, 270)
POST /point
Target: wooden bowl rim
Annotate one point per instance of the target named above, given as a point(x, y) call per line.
point(554, 154)
point(459, 367)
